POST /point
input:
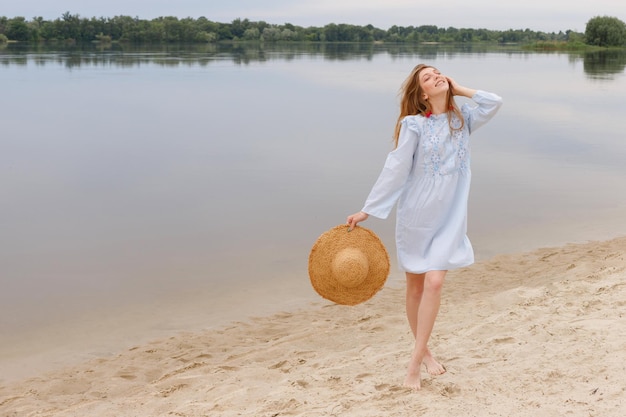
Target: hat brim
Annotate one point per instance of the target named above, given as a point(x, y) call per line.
point(331, 243)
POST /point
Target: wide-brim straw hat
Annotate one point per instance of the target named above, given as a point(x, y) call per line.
point(348, 267)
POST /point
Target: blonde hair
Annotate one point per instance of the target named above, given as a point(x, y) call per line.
point(412, 102)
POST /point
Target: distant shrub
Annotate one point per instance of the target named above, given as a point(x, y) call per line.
point(103, 38)
point(576, 45)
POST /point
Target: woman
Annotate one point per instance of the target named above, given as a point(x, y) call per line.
point(428, 175)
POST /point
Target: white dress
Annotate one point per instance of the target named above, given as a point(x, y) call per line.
point(428, 175)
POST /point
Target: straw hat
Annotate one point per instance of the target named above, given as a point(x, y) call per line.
point(348, 267)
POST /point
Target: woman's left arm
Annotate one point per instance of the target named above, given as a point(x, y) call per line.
point(487, 104)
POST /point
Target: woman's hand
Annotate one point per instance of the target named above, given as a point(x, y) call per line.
point(458, 90)
point(355, 218)
point(453, 86)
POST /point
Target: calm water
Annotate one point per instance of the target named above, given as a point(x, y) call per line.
point(150, 191)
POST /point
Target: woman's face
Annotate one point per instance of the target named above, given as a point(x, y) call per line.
point(432, 82)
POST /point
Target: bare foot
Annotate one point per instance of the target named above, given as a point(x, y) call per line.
point(413, 376)
point(433, 367)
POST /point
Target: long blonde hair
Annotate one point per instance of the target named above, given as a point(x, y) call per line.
point(412, 102)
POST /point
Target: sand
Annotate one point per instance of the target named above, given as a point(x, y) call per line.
point(541, 333)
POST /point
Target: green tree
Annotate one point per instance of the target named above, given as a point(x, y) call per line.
point(287, 35)
point(123, 28)
point(69, 27)
point(188, 31)
point(155, 32)
point(48, 30)
point(4, 21)
point(223, 31)
point(34, 28)
point(238, 27)
point(173, 29)
point(252, 34)
point(330, 33)
point(605, 31)
point(271, 34)
point(17, 29)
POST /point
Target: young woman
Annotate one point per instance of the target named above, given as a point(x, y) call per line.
point(428, 176)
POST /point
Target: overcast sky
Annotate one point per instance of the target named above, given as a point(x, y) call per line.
point(537, 15)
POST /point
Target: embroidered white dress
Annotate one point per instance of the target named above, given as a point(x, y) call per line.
point(428, 176)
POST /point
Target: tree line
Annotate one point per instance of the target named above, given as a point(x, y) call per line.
point(600, 31)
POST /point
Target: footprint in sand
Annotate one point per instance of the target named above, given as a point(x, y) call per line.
point(503, 340)
point(228, 368)
point(168, 391)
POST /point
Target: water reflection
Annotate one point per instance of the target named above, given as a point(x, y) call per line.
point(602, 65)
point(204, 54)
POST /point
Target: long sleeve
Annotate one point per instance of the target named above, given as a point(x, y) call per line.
point(487, 106)
point(394, 175)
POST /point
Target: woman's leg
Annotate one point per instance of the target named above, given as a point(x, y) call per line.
point(423, 297)
point(414, 291)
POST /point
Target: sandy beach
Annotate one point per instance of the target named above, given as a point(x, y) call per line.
point(531, 334)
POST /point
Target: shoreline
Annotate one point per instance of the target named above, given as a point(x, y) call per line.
point(520, 334)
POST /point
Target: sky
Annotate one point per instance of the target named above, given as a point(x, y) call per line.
point(536, 15)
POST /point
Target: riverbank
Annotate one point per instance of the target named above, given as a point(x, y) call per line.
point(526, 334)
